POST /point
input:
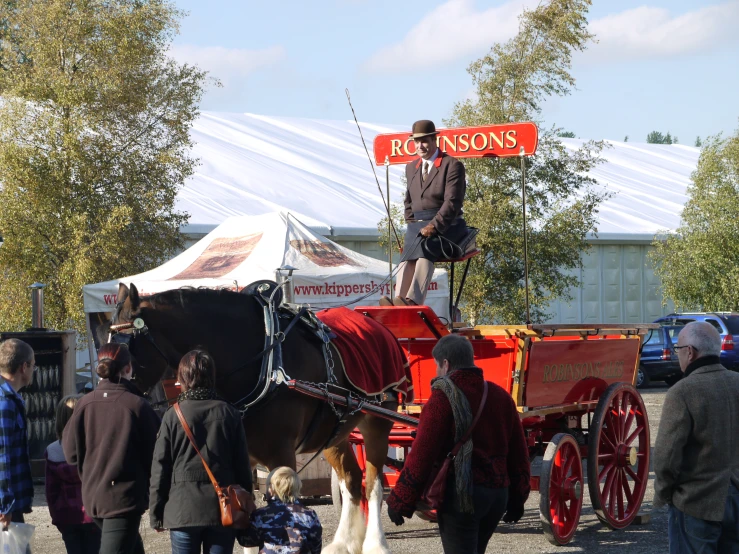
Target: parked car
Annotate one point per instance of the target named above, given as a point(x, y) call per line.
point(726, 323)
point(658, 360)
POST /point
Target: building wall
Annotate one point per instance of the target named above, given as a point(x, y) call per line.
point(618, 285)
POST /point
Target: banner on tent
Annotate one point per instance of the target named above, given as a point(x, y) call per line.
point(494, 141)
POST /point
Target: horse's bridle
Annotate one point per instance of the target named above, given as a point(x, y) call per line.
point(124, 333)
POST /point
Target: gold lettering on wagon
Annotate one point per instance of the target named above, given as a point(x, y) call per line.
point(558, 373)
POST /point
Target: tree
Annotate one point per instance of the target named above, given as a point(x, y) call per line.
point(698, 142)
point(566, 134)
point(655, 137)
point(626, 138)
point(512, 81)
point(699, 263)
point(94, 146)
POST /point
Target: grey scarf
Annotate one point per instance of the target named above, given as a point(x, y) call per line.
point(462, 421)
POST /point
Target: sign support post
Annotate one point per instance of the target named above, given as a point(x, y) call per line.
point(525, 236)
point(389, 229)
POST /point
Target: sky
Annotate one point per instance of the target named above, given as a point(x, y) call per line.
point(666, 65)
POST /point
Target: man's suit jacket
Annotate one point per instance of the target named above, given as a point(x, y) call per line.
point(696, 454)
point(443, 190)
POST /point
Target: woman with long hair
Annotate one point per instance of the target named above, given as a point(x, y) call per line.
point(183, 499)
point(111, 437)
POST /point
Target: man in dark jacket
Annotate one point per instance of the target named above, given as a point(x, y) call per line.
point(499, 462)
point(696, 454)
point(17, 363)
point(433, 207)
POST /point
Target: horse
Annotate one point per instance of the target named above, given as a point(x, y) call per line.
point(231, 327)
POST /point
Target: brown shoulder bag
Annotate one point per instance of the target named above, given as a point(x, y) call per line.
point(433, 495)
point(236, 503)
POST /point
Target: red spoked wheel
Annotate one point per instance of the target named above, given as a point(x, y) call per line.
point(561, 489)
point(618, 455)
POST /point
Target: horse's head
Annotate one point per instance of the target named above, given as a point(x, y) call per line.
point(135, 323)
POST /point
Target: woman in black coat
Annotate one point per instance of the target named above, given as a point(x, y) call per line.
point(110, 438)
point(182, 498)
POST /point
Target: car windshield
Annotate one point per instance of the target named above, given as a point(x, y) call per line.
point(732, 323)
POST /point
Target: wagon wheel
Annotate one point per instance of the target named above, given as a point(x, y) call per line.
point(560, 491)
point(618, 455)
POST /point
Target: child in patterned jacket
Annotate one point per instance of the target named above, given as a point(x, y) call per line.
point(284, 525)
point(64, 491)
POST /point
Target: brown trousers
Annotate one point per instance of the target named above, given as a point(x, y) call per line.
point(414, 278)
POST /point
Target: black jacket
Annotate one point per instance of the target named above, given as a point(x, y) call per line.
point(181, 494)
point(110, 438)
point(443, 190)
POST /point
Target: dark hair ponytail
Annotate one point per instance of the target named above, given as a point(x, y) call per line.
point(112, 359)
point(196, 370)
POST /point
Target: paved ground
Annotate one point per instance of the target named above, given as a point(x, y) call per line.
point(418, 536)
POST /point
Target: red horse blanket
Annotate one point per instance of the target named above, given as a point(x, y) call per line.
point(373, 360)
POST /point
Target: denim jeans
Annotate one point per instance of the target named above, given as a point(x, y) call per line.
point(214, 540)
point(691, 535)
point(470, 533)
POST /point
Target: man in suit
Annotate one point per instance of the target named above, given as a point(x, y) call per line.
point(433, 208)
point(696, 455)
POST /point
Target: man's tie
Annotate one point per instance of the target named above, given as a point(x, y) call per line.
point(425, 172)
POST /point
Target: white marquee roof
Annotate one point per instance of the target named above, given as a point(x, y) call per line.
point(318, 170)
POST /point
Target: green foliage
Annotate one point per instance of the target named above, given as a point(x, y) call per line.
point(698, 142)
point(626, 138)
point(512, 81)
point(699, 263)
point(655, 137)
point(397, 213)
point(566, 134)
point(94, 146)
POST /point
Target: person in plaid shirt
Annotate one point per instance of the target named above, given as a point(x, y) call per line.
point(64, 491)
point(17, 363)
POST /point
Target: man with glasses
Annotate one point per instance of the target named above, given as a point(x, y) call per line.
point(17, 363)
point(696, 455)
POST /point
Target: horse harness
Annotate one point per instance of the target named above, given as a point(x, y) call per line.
point(279, 320)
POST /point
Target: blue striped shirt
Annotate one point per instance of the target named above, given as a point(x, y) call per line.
point(16, 484)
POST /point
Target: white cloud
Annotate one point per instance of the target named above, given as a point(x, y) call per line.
point(647, 32)
point(452, 31)
point(228, 64)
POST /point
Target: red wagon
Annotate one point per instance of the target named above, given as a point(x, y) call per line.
point(574, 389)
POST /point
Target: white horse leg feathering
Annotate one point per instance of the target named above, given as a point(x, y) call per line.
point(374, 540)
point(350, 533)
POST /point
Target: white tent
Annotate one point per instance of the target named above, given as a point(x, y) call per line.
point(245, 249)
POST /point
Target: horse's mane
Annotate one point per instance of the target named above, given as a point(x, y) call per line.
point(193, 296)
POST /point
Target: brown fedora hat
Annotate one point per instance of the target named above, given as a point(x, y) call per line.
point(423, 128)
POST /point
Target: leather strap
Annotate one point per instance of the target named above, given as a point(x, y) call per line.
point(177, 410)
point(466, 436)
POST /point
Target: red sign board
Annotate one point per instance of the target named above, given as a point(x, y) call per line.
point(568, 371)
point(487, 141)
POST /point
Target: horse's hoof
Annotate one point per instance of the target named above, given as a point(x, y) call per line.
point(336, 548)
point(376, 549)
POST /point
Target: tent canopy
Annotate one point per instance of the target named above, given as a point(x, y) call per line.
point(318, 170)
point(248, 248)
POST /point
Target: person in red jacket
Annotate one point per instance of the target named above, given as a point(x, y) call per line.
point(491, 472)
point(64, 491)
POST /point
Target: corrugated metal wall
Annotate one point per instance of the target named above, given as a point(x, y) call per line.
point(618, 286)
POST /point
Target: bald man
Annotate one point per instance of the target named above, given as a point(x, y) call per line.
point(696, 455)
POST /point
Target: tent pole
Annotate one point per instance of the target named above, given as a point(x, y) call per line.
point(389, 228)
point(91, 350)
